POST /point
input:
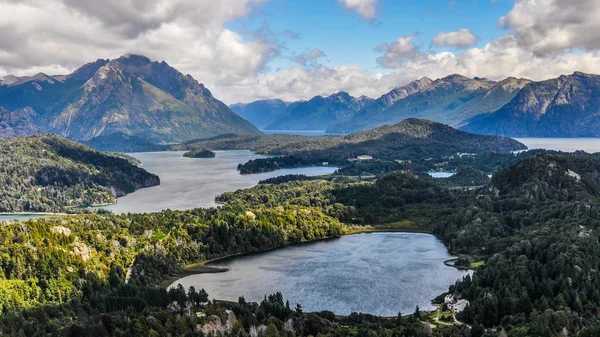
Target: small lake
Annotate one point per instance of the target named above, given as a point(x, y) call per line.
point(441, 174)
point(377, 273)
point(187, 183)
point(590, 145)
point(295, 132)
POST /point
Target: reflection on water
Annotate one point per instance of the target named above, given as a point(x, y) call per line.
point(378, 273)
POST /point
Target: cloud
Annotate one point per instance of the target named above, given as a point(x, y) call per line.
point(462, 38)
point(59, 35)
point(365, 8)
point(496, 60)
point(550, 26)
point(309, 58)
point(291, 34)
point(398, 52)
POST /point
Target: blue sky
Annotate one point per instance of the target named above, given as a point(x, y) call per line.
point(347, 38)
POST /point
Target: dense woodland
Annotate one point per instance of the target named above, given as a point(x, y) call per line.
point(46, 173)
point(59, 269)
point(535, 226)
point(532, 232)
point(413, 144)
point(199, 153)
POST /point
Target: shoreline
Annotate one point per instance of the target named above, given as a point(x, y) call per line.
point(32, 213)
point(202, 268)
point(197, 268)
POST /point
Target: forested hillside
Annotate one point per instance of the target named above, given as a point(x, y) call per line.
point(416, 141)
point(532, 233)
point(46, 173)
point(67, 276)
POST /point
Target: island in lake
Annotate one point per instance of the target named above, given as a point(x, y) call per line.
point(199, 153)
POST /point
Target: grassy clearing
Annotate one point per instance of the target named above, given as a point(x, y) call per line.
point(403, 224)
point(159, 236)
point(477, 264)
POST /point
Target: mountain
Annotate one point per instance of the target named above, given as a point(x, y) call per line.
point(260, 113)
point(319, 112)
point(567, 106)
point(437, 101)
point(120, 142)
point(491, 100)
point(47, 173)
point(413, 143)
point(382, 103)
point(131, 94)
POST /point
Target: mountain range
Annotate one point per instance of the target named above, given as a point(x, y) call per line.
point(319, 112)
point(130, 95)
point(567, 106)
point(261, 113)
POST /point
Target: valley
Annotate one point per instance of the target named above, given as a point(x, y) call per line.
point(315, 168)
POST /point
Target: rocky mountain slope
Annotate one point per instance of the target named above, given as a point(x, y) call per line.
point(437, 101)
point(567, 106)
point(380, 104)
point(131, 94)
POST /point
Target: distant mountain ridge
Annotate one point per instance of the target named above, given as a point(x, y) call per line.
point(382, 103)
point(261, 113)
point(131, 95)
point(441, 100)
point(567, 106)
point(319, 112)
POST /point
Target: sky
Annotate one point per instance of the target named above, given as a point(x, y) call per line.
point(245, 50)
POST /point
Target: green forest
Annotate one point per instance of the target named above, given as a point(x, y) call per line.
point(531, 233)
point(413, 144)
point(47, 173)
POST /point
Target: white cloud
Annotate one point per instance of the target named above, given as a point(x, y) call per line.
point(365, 8)
point(58, 36)
point(496, 60)
point(549, 26)
point(397, 53)
point(462, 38)
point(309, 58)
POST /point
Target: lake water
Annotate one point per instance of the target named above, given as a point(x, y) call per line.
point(590, 145)
point(187, 183)
point(441, 174)
point(377, 273)
point(295, 132)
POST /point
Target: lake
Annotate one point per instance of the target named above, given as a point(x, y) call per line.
point(378, 273)
point(295, 132)
point(562, 144)
point(187, 183)
point(441, 174)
